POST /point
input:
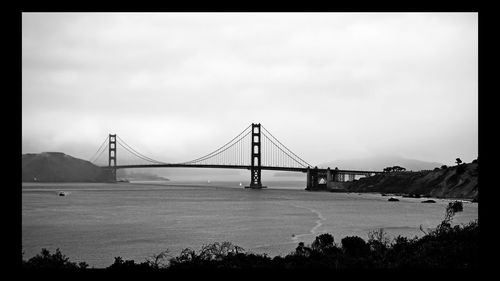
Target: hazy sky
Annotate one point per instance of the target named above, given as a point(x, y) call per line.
point(176, 86)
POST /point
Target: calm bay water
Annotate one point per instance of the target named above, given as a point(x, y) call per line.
point(97, 222)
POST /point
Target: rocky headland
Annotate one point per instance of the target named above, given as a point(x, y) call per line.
point(459, 181)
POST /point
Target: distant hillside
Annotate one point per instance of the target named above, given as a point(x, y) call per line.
point(59, 167)
point(380, 162)
point(453, 182)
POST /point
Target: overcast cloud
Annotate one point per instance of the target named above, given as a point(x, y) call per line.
point(176, 86)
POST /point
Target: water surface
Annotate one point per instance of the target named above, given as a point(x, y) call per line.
point(97, 222)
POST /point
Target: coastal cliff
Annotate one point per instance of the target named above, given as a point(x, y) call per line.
point(459, 181)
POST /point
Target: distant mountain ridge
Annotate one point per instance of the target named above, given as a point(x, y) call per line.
point(378, 163)
point(59, 167)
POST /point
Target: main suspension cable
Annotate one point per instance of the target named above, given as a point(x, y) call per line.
point(139, 154)
point(223, 157)
point(102, 151)
point(215, 151)
point(309, 165)
point(281, 159)
point(100, 147)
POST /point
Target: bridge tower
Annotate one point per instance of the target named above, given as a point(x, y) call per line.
point(255, 158)
point(112, 156)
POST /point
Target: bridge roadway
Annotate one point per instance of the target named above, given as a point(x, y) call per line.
point(244, 167)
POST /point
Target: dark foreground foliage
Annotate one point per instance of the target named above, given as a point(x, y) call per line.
point(45, 260)
point(444, 247)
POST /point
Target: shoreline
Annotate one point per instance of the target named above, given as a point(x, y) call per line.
point(400, 195)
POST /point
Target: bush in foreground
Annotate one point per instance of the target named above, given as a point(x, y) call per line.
point(45, 260)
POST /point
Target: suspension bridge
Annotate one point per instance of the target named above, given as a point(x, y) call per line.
point(254, 149)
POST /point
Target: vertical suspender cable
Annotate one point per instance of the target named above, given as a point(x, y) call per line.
point(263, 154)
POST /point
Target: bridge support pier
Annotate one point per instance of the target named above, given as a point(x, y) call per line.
point(351, 177)
point(313, 179)
point(340, 177)
point(310, 179)
point(329, 175)
point(255, 156)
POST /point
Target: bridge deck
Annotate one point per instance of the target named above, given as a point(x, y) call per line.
point(243, 167)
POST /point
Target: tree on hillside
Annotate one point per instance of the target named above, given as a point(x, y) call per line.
point(394, 169)
point(398, 169)
point(458, 161)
